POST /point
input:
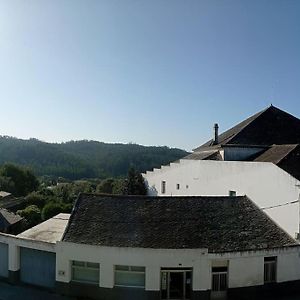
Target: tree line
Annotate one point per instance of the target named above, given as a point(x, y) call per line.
point(84, 159)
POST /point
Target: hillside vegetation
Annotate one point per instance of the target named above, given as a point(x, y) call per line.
point(39, 202)
point(84, 159)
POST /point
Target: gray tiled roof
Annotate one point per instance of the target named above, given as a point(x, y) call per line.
point(286, 157)
point(204, 155)
point(7, 217)
point(267, 127)
point(276, 153)
point(221, 224)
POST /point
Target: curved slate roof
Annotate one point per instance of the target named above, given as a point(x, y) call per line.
point(221, 224)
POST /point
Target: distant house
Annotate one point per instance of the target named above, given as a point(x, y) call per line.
point(259, 157)
point(5, 195)
point(11, 203)
point(10, 222)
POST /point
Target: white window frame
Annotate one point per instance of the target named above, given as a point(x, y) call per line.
point(84, 267)
point(129, 271)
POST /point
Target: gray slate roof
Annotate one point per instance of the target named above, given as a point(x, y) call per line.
point(205, 155)
point(221, 224)
point(8, 218)
point(286, 157)
point(276, 153)
point(267, 127)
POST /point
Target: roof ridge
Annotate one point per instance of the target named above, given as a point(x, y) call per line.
point(250, 119)
point(268, 126)
point(253, 118)
point(155, 197)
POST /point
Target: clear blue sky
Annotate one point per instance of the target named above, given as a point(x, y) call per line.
point(157, 72)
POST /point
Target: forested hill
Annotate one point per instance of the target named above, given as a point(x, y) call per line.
point(84, 159)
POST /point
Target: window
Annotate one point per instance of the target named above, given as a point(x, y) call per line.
point(85, 272)
point(219, 278)
point(130, 276)
point(163, 187)
point(177, 186)
point(232, 193)
point(270, 266)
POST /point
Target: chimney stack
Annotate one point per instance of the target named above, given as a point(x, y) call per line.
point(216, 134)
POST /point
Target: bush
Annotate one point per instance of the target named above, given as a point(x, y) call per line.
point(37, 199)
point(51, 209)
point(32, 214)
point(23, 180)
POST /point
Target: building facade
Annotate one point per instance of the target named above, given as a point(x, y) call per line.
point(139, 273)
point(134, 247)
point(273, 190)
point(174, 248)
point(259, 157)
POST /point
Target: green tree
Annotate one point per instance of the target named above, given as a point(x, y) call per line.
point(24, 181)
point(32, 214)
point(111, 186)
point(51, 209)
point(134, 184)
point(36, 198)
point(6, 184)
point(119, 186)
point(106, 186)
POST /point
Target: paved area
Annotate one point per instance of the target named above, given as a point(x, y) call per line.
point(13, 292)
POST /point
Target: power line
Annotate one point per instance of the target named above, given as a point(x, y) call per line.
point(283, 204)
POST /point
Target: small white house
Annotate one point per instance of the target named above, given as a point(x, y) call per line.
point(134, 247)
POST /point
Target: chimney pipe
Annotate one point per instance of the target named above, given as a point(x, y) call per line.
point(216, 134)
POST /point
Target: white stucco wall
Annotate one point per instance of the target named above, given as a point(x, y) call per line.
point(244, 268)
point(247, 268)
point(240, 153)
point(14, 243)
point(264, 183)
point(152, 259)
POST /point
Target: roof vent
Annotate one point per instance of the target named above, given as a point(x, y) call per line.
point(216, 134)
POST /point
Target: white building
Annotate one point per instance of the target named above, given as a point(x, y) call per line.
point(259, 157)
point(135, 247)
point(30, 257)
point(270, 187)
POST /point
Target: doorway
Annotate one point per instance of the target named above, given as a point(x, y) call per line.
point(219, 283)
point(176, 284)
